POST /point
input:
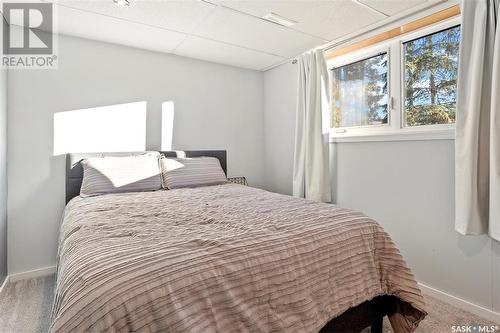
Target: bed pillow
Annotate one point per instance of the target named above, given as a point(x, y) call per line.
point(191, 172)
point(102, 175)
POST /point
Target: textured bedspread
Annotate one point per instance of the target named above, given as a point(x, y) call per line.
point(222, 258)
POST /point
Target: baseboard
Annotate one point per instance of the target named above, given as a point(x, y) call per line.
point(5, 282)
point(461, 303)
point(32, 274)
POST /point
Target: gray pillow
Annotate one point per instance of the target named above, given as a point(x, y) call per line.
point(191, 172)
point(102, 175)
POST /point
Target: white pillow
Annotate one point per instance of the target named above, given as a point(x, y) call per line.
point(102, 175)
point(191, 172)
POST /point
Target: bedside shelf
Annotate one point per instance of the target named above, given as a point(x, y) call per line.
point(238, 180)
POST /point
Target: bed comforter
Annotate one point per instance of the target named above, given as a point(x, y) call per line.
point(225, 258)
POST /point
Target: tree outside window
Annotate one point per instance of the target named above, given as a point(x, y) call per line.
point(430, 70)
point(359, 93)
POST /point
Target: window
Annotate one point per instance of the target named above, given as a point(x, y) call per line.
point(359, 95)
point(430, 78)
point(395, 85)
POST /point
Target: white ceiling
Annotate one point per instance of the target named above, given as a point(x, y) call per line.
point(226, 31)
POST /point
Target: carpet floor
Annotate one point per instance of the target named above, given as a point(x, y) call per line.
point(25, 308)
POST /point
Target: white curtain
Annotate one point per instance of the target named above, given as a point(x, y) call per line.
point(477, 144)
point(311, 171)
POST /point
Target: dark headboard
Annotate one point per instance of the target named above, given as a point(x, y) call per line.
point(74, 169)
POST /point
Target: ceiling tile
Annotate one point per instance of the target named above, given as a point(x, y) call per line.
point(180, 16)
point(326, 19)
point(84, 24)
point(243, 30)
point(201, 48)
point(232, 30)
point(392, 7)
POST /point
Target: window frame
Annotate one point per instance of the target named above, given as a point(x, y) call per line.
point(436, 28)
point(394, 130)
point(360, 55)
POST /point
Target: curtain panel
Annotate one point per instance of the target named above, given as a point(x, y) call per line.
point(311, 169)
point(477, 142)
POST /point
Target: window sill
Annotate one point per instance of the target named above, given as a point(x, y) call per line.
point(399, 135)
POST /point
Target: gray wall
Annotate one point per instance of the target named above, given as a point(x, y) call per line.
point(3, 175)
point(216, 107)
point(407, 186)
point(280, 97)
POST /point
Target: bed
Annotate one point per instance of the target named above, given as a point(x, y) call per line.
point(224, 258)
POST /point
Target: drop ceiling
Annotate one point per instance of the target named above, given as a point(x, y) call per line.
point(230, 32)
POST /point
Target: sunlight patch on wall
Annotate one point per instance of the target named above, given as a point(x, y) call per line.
point(114, 128)
point(167, 125)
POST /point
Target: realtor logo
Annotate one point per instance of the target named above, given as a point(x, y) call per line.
point(35, 18)
point(27, 36)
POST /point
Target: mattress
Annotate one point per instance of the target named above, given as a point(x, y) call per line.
point(225, 258)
